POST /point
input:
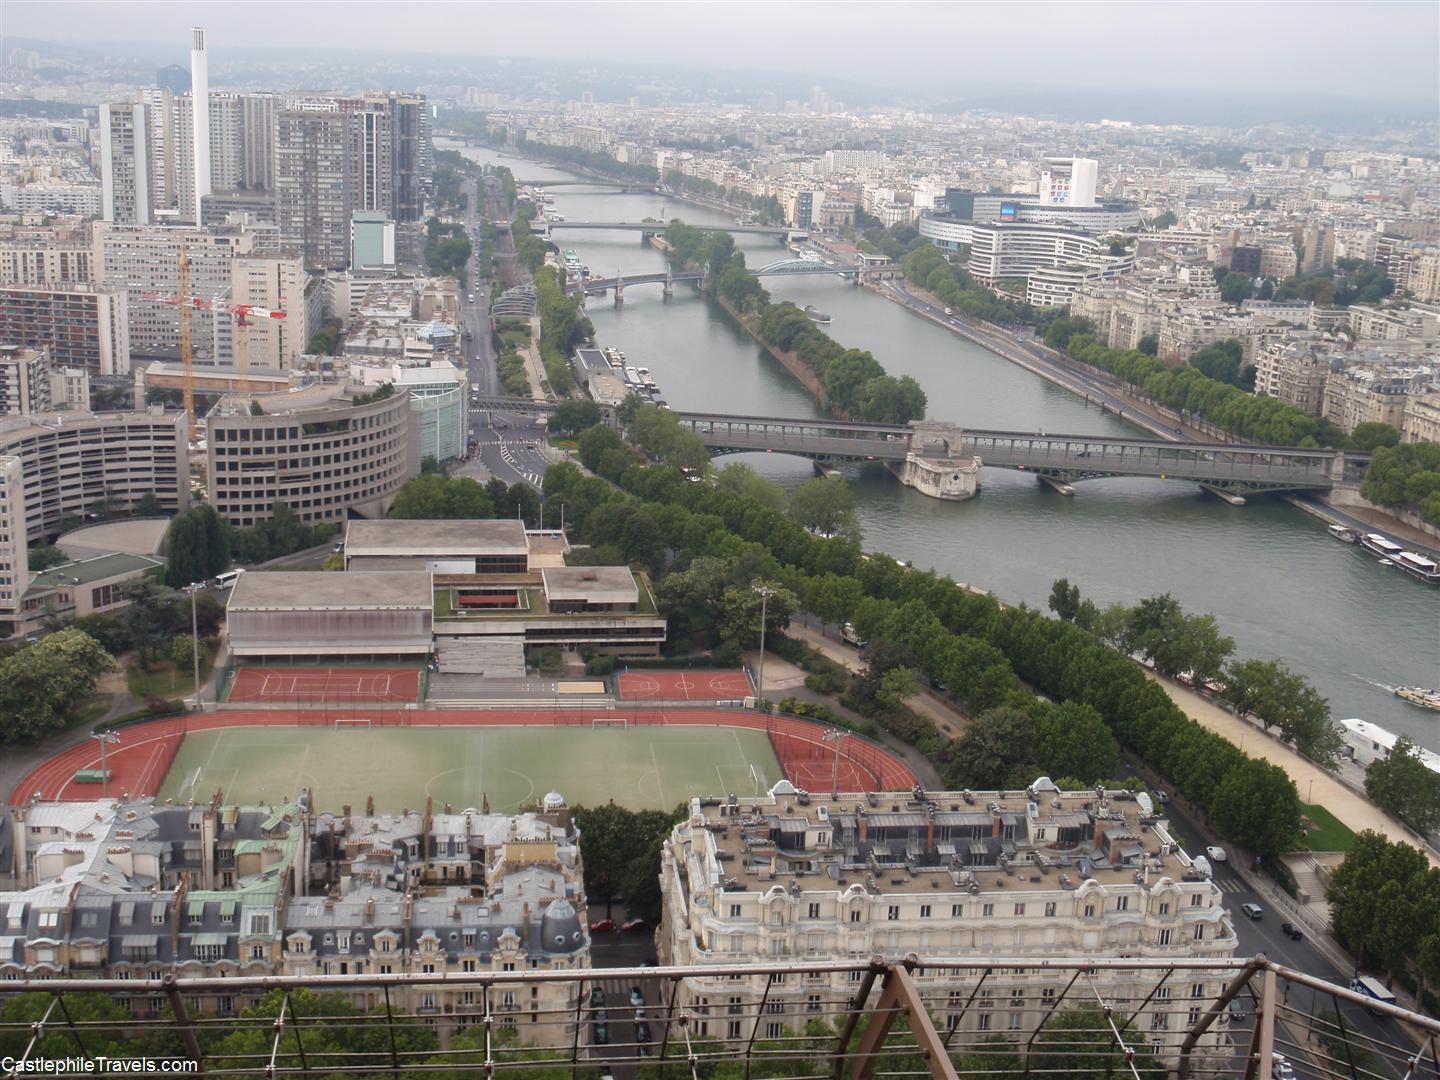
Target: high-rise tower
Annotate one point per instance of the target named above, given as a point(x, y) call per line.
point(200, 114)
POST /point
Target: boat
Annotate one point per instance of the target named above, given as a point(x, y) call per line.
point(644, 372)
point(815, 315)
point(1419, 567)
point(1379, 545)
point(1367, 743)
point(1344, 534)
point(1419, 695)
point(1385, 562)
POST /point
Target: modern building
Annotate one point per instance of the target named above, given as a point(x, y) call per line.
point(437, 395)
point(218, 208)
point(1068, 181)
point(361, 615)
point(159, 106)
point(74, 590)
point(1018, 249)
point(967, 876)
point(14, 543)
point(499, 546)
point(126, 192)
point(276, 282)
point(80, 326)
point(326, 452)
point(372, 241)
point(317, 182)
point(73, 462)
point(24, 380)
point(47, 262)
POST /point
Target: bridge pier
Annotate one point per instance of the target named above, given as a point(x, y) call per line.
point(1220, 493)
point(619, 291)
point(1059, 486)
point(668, 289)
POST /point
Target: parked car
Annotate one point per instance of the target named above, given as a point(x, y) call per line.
point(1252, 911)
point(633, 926)
point(1292, 931)
point(642, 1031)
point(1237, 1012)
point(602, 926)
point(1162, 796)
point(601, 1033)
point(597, 997)
point(1216, 854)
point(637, 997)
point(1280, 1069)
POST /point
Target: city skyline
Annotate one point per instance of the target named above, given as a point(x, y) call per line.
point(1388, 54)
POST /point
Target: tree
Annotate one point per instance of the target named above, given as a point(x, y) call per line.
point(1257, 806)
point(42, 686)
point(826, 505)
point(740, 608)
point(1385, 905)
point(182, 652)
point(1149, 345)
point(1278, 697)
point(43, 556)
point(595, 442)
point(436, 496)
point(743, 482)
point(995, 751)
point(573, 416)
point(1373, 434)
point(1064, 599)
point(1403, 785)
point(1236, 287)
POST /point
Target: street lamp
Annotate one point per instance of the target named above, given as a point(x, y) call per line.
point(765, 592)
point(194, 590)
point(105, 738)
point(837, 736)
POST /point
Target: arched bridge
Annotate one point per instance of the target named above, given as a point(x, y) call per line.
point(784, 267)
point(658, 227)
point(1062, 460)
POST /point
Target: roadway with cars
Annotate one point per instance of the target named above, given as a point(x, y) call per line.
point(506, 445)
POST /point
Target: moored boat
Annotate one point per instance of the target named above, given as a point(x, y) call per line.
point(1344, 534)
point(1419, 567)
point(1379, 545)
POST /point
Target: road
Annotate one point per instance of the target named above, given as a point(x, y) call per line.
point(504, 445)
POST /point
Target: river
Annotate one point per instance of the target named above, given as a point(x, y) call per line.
point(1269, 573)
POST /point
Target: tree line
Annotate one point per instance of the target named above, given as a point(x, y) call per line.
point(199, 544)
point(1251, 802)
point(1406, 478)
point(855, 384)
point(767, 208)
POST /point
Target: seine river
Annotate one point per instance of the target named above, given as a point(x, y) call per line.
point(1270, 574)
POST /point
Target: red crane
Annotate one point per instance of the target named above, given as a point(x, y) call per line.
point(242, 314)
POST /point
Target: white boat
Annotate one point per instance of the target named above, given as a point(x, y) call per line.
point(1385, 562)
point(1379, 545)
point(1367, 743)
point(1344, 534)
point(1419, 567)
point(644, 372)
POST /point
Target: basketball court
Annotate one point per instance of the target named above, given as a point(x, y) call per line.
point(330, 684)
point(698, 685)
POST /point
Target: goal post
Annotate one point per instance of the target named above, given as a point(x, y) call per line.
point(352, 721)
point(619, 722)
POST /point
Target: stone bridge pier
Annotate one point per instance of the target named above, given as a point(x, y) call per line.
point(936, 464)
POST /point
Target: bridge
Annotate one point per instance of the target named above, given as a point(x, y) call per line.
point(634, 185)
point(656, 228)
point(784, 267)
point(1229, 470)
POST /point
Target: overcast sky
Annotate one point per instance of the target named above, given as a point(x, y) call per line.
point(1370, 49)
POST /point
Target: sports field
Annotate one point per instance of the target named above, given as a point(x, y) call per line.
point(640, 767)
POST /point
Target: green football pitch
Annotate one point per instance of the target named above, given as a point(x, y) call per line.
point(642, 767)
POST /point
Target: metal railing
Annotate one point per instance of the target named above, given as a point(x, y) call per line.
point(956, 1017)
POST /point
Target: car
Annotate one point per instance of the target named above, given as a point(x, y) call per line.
point(601, 1032)
point(634, 926)
point(1292, 931)
point(1252, 911)
point(1237, 1012)
point(597, 997)
point(602, 926)
point(642, 1031)
point(1162, 796)
point(643, 1050)
point(1216, 853)
point(1280, 1069)
point(637, 996)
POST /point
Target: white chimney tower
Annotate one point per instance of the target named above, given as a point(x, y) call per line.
point(200, 115)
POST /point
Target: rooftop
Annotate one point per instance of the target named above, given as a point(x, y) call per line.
point(593, 584)
point(85, 571)
point(357, 590)
point(435, 537)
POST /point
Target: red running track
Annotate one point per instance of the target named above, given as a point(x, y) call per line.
point(138, 763)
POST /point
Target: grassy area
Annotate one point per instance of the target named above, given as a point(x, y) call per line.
point(162, 680)
point(648, 767)
point(1326, 831)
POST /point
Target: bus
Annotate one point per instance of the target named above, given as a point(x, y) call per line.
point(227, 579)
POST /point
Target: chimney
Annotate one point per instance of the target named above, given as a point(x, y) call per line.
point(995, 822)
point(863, 823)
point(369, 909)
point(930, 828)
point(1098, 835)
point(200, 115)
point(369, 805)
point(346, 809)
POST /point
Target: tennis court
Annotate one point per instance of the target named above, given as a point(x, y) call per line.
point(640, 767)
point(327, 684)
point(697, 685)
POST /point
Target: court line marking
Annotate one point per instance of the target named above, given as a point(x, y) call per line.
point(659, 784)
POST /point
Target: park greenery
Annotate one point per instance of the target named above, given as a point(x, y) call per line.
point(596, 161)
point(1406, 478)
point(1405, 786)
point(529, 248)
point(563, 327)
point(447, 248)
point(621, 849)
point(853, 382)
point(1349, 281)
point(1385, 908)
point(980, 650)
point(44, 686)
point(436, 495)
point(573, 416)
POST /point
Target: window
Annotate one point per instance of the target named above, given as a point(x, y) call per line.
point(1197, 900)
point(1122, 903)
point(1193, 1017)
point(1159, 1021)
point(1089, 911)
point(855, 915)
point(775, 1007)
point(1047, 995)
point(773, 1029)
point(987, 910)
point(894, 912)
point(1164, 937)
point(1199, 931)
point(957, 910)
point(983, 1022)
point(925, 911)
point(1015, 1020)
point(986, 996)
point(1165, 908)
point(812, 1003)
point(1017, 999)
point(1050, 910)
point(732, 1029)
point(735, 911)
point(1019, 909)
point(1197, 990)
point(813, 912)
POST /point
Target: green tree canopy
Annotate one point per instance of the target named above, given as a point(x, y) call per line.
point(1404, 786)
point(826, 505)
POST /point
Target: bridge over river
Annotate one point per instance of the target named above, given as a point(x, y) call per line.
point(1229, 470)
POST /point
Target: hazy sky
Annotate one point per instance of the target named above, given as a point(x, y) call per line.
point(1364, 49)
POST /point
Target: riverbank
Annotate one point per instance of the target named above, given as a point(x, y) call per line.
point(789, 361)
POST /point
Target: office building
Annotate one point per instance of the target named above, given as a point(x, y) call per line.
point(79, 326)
point(258, 122)
point(437, 395)
point(372, 241)
point(73, 461)
point(159, 105)
point(275, 283)
point(125, 186)
point(317, 182)
point(227, 139)
point(1068, 181)
point(961, 876)
point(24, 380)
point(41, 261)
point(325, 452)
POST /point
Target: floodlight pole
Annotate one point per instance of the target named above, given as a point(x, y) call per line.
point(765, 592)
point(104, 738)
point(194, 591)
point(837, 736)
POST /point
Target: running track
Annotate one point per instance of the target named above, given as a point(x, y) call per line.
point(138, 763)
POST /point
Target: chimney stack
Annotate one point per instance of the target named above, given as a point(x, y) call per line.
point(200, 114)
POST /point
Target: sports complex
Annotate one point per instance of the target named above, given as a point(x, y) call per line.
point(650, 740)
